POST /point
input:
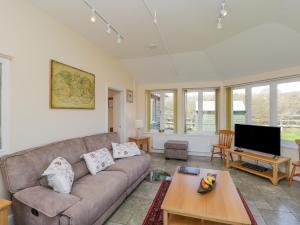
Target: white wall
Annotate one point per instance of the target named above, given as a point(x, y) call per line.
point(32, 38)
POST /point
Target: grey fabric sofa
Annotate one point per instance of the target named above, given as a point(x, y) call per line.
point(93, 198)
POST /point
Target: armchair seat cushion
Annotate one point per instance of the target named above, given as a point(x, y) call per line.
point(46, 200)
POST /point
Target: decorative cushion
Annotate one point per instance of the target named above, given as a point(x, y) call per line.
point(125, 150)
point(98, 160)
point(60, 175)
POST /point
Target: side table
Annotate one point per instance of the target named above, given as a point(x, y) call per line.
point(141, 141)
point(4, 205)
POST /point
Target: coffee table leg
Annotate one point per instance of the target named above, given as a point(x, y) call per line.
point(166, 217)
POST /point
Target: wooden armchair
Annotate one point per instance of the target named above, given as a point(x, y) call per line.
point(225, 140)
point(295, 165)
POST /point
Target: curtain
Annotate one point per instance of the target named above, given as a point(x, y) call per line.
point(148, 110)
point(175, 105)
point(228, 107)
point(217, 102)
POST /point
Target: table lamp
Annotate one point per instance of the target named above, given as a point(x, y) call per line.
point(139, 125)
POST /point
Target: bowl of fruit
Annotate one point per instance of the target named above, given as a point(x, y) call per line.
point(207, 183)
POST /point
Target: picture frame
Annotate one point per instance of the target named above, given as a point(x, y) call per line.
point(129, 96)
point(70, 87)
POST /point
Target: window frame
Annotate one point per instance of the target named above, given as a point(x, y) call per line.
point(273, 98)
point(5, 105)
point(200, 109)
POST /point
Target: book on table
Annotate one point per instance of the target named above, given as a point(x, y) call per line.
point(189, 170)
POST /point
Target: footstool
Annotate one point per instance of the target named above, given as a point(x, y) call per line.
point(176, 149)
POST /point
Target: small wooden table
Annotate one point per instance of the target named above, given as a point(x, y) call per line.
point(183, 205)
point(4, 205)
point(274, 175)
point(141, 141)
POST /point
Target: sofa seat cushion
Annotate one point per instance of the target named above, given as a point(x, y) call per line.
point(97, 194)
point(46, 200)
point(134, 167)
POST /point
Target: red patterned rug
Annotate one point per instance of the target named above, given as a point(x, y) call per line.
point(155, 214)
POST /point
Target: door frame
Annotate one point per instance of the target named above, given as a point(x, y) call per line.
point(122, 92)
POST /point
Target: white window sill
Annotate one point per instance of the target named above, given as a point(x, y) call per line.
point(208, 134)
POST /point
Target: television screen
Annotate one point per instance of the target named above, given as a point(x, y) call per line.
point(259, 138)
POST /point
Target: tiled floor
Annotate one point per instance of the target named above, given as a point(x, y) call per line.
point(271, 205)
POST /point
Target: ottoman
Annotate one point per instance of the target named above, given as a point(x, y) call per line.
point(176, 149)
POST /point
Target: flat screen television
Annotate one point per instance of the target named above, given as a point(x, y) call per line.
point(259, 138)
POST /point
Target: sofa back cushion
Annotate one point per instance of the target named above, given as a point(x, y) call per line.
point(98, 141)
point(23, 169)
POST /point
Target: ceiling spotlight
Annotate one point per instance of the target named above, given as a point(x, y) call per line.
point(108, 28)
point(152, 46)
point(155, 17)
point(119, 39)
point(219, 24)
point(93, 16)
point(223, 11)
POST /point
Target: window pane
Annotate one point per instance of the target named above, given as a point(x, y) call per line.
point(289, 110)
point(162, 110)
point(168, 111)
point(191, 111)
point(239, 106)
point(155, 111)
point(209, 111)
point(261, 105)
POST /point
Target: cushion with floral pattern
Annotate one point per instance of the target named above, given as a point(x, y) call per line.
point(125, 150)
point(60, 175)
point(98, 160)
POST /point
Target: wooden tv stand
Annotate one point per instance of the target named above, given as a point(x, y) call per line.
point(274, 175)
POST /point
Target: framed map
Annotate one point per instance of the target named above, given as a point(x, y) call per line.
point(71, 88)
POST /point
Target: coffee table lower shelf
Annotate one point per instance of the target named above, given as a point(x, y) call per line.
point(183, 220)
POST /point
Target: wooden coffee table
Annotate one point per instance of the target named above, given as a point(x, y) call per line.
point(183, 205)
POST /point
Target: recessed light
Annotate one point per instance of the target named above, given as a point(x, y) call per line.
point(152, 46)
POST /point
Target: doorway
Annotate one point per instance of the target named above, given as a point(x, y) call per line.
point(115, 111)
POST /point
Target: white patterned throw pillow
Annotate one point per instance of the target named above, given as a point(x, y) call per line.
point(60, 175)
point(125, 150)
point(98, 160)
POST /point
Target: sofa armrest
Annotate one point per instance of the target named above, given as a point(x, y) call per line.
point(46, 200)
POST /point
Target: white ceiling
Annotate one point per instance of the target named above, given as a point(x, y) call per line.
point(258, 36)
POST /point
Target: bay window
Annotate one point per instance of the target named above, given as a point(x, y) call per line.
point(274, 103)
